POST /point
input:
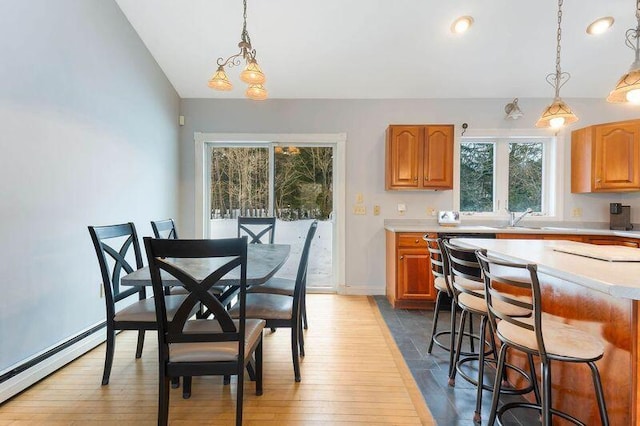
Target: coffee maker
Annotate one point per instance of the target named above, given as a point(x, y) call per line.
point(620, 217)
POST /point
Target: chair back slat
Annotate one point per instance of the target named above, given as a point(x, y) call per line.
point(164, 229)
point(439, 261)
point(463, 264)
point(165, 255)
point(256, 228)
point(113, 244)
point(510, 285)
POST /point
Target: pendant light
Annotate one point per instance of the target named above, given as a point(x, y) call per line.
point(628, 88)
point(252, 74)
point(558, 113)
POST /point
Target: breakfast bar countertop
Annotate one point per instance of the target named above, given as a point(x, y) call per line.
point(616, 278)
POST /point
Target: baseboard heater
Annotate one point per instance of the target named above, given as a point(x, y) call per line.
point(40, 366)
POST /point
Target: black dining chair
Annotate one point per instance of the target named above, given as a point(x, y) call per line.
point(114, 246)
point(190, 346)
point(256, 228)
point(164, 229)
point(282, 311)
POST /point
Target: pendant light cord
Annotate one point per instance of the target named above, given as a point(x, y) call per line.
point(558, 76)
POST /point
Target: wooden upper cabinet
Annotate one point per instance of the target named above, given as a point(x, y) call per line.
point(419, 157)
point(606, 157)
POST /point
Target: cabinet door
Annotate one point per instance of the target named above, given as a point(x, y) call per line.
point(438, 157)
point(415, 281)
point(617, 153)
point(613, 241)
point(404, 150)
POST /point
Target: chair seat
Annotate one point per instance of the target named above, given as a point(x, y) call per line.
point(440, 284)
point(214, 351)
point(266, 306)
point(479, 304)
point(560, 340)
point(145, 310)
point(275, 285)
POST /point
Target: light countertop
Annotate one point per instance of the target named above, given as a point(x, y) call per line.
point(618, 279)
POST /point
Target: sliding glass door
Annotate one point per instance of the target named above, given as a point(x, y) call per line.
point(293, 182)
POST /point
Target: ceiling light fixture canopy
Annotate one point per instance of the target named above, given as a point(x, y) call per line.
point(628, 87)
point(558, 113)
point(461, 24)
point(512, 110)
point(252, 74)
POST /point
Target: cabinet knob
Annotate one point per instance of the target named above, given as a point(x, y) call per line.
point(417, 241)
point(598, 180)
point(415, 180)
point(401, 257)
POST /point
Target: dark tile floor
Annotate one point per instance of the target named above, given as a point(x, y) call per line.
point(448, 405)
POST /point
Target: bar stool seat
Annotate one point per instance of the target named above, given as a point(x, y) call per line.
point(561, 341)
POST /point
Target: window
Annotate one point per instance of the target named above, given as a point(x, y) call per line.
point(512, 173)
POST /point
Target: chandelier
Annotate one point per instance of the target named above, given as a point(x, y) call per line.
point(628, 87)
point(252, 74)
point(558, 113)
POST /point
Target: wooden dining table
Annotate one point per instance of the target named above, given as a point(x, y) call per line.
point(263, 261)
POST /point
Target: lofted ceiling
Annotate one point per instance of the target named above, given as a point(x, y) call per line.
point(381, 49)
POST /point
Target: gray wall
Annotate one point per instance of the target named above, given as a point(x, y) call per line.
point(89, 136)
point(365, 122)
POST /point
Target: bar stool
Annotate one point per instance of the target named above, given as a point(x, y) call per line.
point(468, 291)
point(440, 272)
point(535, 335)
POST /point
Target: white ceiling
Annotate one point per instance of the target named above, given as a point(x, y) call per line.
point(382, 49)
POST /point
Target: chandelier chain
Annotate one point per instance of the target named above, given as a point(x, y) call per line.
point(559, 38)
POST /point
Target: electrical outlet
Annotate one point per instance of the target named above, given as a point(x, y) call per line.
point(359, 210)
point(101, 290)
point(359, 198)
point(576, 212)
point(431, 211)
point(376, 210)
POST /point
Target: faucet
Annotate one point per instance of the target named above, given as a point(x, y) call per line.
point(513, 220)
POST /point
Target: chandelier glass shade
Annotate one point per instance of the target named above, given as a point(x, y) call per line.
point(628, 87)
point(252, 74)
point(558, 113)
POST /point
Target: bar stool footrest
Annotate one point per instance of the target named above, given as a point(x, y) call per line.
point(528, 405)
point(489, 387)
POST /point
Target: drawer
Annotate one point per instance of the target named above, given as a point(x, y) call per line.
point(411, 240)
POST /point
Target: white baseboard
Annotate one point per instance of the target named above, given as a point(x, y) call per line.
point(41, 370)
point(361, 291)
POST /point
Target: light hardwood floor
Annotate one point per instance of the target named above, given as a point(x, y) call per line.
point(352, 373)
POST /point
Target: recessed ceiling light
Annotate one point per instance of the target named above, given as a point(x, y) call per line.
point(461, 24)
point(600, 25)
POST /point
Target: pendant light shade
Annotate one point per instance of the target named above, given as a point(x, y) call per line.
point(252, 74)
point(628, 87)
point(557, 115)
point(257, 92)
point(220, 81)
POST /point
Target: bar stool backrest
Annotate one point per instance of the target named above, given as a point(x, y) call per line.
point(505, 285)
point(439, 261)
point(463, 265)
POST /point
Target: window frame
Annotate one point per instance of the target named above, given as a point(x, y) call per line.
point(552, 171)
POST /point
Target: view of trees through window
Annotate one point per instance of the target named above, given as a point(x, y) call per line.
point(478, 172)
point(303, 182)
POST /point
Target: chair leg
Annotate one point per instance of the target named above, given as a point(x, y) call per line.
point(175, 382)
point(186, 387)
point(163, 398)
point(140, 343)
point(597, 384)
point(300, 339)
point(483, 330)
point(239, 395)
point(226, 379)
point(546, 394)
point(303, 302)
point(456, 357)
point(496, 385)
point(434, 326)
point(534, 379)
point(294, 351)
point(258, 355)
point(108, 359)
point(471, 343)
point(452, 340)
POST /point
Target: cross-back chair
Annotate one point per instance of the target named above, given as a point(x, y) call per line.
point(282, 311)
point(257, 228)
point(114, 245)
point(190, 346)
point(164, 229)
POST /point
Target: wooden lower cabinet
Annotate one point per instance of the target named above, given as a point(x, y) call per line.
point(409, 278)
point(614, 241)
